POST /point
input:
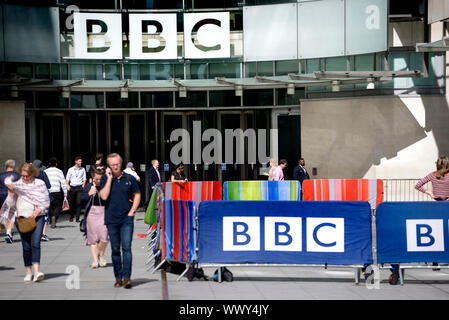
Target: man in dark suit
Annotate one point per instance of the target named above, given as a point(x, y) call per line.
point(300, 173)
point(153, 175)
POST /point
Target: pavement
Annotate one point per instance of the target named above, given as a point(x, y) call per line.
point(65, 260)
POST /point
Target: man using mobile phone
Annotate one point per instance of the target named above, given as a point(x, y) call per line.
point(122, 195)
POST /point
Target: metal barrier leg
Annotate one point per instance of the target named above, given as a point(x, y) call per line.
point(158, 266)
point(357, 272)
point(401, 276)
point(220, 280)
point(182, 274)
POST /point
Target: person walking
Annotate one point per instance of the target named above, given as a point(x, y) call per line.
point(43, 176)
point(96, 231)
point(58, 190)
point(279, 173)
point(8, 176)
point(97, 165)
point(439, 180)
point(153, 175)
point(32, 201)
point(122, 195)
point(76, 180)
point(131, 171)
point(300, 173)
point(273, 166)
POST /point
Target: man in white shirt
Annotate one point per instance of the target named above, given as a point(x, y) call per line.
point(76, 179)
point(131, 171)
point(58, 190)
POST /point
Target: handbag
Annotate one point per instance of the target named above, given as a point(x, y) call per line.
point(65, 205)
point(26, 224)
point(83, 227)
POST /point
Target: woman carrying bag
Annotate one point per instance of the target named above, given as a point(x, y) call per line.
point(32, 199)
point(95, 229)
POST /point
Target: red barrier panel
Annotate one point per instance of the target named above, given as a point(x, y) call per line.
point(370, 190)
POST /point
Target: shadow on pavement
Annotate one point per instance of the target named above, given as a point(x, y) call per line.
point(3, 268)
point(140, 281)
point(55, 275)
point(293, 279)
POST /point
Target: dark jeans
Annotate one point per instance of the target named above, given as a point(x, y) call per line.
point(120, 236)
point(31, 243)
point(56, 204)
point(75, 201)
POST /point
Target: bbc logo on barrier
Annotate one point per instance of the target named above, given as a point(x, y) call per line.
point(425, 235)
point(283, 234)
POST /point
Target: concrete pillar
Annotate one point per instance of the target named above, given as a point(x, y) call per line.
point(12, 132)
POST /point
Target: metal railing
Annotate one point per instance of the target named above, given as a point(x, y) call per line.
point(404, 190)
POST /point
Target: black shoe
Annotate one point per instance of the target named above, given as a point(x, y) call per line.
point(435, 264)
point(394, 277)
point(44, 238)
point(71, 219)
point(8, 238)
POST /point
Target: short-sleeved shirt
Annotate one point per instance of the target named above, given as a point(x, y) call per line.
point(76, 176)
point(118, 204)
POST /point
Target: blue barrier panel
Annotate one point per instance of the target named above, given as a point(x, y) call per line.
point(285, 232)
point(412, 232)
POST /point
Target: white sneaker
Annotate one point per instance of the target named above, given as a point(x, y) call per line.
point(103, 262)
point(38, 277)
point(28, 277)
point(94, 265)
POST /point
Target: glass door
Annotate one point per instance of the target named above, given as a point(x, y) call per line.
point(53, 139)
point(171, 149)
point(231, 170)
point(288, 123)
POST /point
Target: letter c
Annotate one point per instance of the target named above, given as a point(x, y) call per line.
point(315, 231)
point(200, 24)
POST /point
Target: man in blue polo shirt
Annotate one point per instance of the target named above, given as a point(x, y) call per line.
point(122, 195)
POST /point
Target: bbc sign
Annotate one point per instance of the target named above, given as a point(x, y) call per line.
point(285, 232)
point(420, 229)
point(151, 36)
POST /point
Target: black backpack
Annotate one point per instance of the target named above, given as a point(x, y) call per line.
point(226, 275)
point(195, 272)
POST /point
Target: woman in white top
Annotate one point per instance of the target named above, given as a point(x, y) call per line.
point(32, 201)
point(273, 167)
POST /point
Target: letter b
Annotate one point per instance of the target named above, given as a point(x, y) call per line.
point(283, 234)
point(425, 235)
point(241, 233)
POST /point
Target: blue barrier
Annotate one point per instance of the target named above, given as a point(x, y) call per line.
point(285, 232)
point(412, 232)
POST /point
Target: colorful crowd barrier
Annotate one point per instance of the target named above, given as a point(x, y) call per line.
point(284, 232)
point(370, 190)
point(195, 190)
point(262, 190)
point(263, 228)
point(410, 232)
point(176, 233)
